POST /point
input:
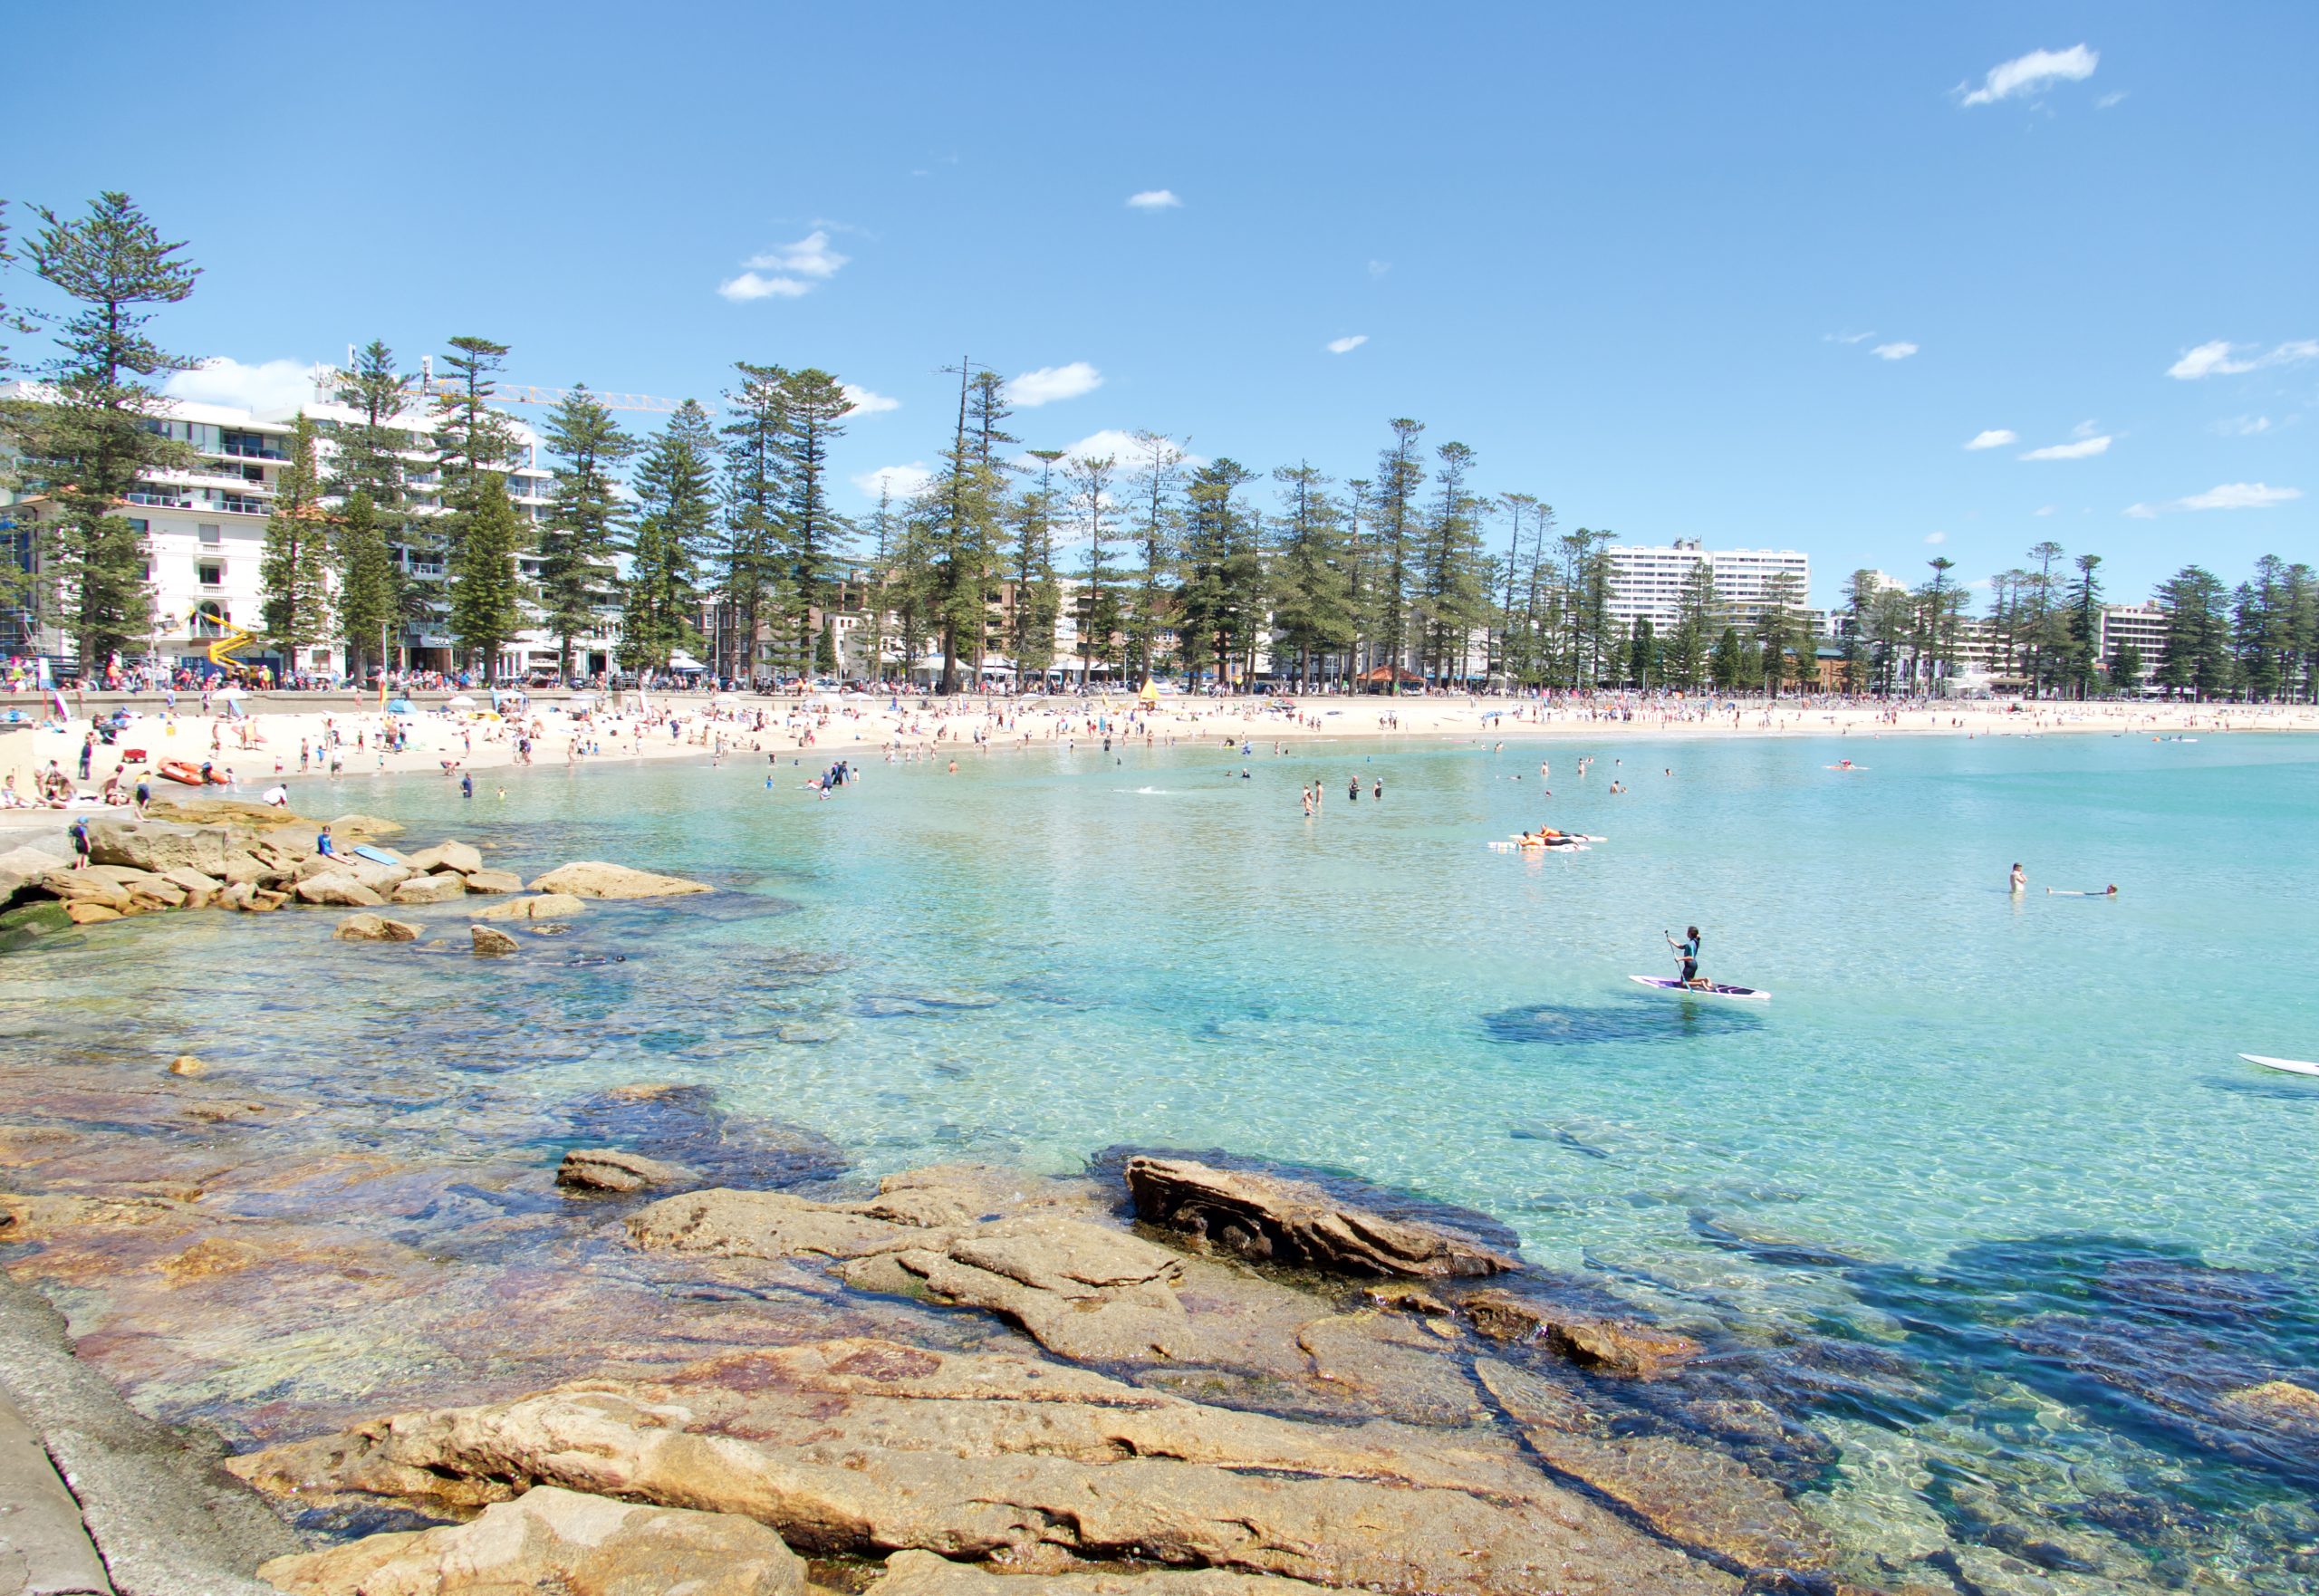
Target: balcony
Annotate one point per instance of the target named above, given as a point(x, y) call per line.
point(237, 449)
point(159, 501)
point(243, 504)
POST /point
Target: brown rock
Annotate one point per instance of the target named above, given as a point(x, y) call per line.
point(373, 928)
point(156, 847)
point(239, 895)
point(1607, 1346)
point(263, 901)
point(860, 1447)
point(604, 1168)
point(555, 1540)
point(758, 1225)
point(447, 855)
point(435, 888)
point(335, 887)
point(1696, 1498)
point(185, 1063)
point(921, 1573)
point(493, 943)
point(82, 913)
point(1083, 1292)
point(589, 878)
point(494, 881)
point(2276, 1404)
point(191, 881)
point(380, 878)
point(1281, 1221)
point(84, 887)
point(362, 828)
point(1387, 1359)
point(546, 905)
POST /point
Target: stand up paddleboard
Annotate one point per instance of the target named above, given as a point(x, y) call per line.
point(2292, 1066)
point(1713, 989)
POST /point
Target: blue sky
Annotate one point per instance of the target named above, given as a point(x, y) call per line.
point(1642, 259)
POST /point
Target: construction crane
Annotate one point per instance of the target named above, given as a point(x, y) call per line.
point(426, 385)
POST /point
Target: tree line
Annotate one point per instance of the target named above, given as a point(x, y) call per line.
point(1163, 562)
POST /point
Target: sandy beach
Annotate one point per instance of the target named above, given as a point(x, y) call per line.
point(266, 743)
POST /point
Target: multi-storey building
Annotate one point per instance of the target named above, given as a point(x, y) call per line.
point(1649, 580)
point(2144, 626)
point(204, 529)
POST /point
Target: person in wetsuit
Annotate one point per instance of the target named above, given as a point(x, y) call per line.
point(1687, 950)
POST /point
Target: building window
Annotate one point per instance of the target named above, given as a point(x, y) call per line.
point(212, 572)
point(212, 535)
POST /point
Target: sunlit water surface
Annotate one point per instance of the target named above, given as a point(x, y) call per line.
point(2004, 1140)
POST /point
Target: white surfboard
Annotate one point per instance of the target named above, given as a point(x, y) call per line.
point(2292, 1066)
point(1669, 984)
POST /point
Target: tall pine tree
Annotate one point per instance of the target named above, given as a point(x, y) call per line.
point(675, 514)
point(486, 583)
point(756, 508)
point(376, 598)
point(812, 537)
point(577, 577)
point(294, 565)
point(93, 445)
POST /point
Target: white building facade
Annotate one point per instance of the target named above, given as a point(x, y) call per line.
point(204, 531)
point(1648, 581)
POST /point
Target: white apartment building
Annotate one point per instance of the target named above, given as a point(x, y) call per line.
point(1648, 581)
point(2143, 625)
point(205, 533)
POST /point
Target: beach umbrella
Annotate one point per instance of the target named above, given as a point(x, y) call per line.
point(229, 694)
point(461, 702)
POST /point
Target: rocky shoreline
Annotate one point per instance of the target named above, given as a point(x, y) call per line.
point(458, 1336)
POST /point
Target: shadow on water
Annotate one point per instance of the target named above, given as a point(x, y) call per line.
point(1561, 1024)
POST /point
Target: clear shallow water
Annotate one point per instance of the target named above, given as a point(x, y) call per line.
point(1986, 1175)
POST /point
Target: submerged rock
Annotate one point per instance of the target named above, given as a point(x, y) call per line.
point(549, 1539)
point(604, 1168)
point(863, 1446)
point(683, 1124)
point(491, 943)
point(374, 928)
point(589, 878)
point(1608, 1346)
point(1268, 1218)
point(546, 905)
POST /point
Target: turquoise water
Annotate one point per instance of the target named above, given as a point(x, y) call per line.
point(1983, 1191)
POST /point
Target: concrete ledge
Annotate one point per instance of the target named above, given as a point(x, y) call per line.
point(167, 1520)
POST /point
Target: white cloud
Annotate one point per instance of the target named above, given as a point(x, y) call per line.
point(2229, 495)
point(1893, 352)
point(810, 256)
point(2220, 358)
point(1124, 448)
point(1379, 268)
point(1050, 383)
point(2107, 101)
point(797, 269)
point(1155, 199)
point(2084, 448)
point(866, 403)
point(2047, 509)
point(1994, 438)
point(2242, 426)
point(2030, 72)
point(1846, 337)
point(2084, 429)
point(750, 285)
point(1345, 346)
point(270, 385)
point(901, 481)
point(1936, 538)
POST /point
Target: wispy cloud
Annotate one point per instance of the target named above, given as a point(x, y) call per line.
point(2220, 359)
point(269, 385)
point(1936, 538)
point(2084, 448)
point(1893, 352)
point(866, 403)
point(1050, 383)
point(2229, 495)
point(2107, 101)
point(1345, 346)
point(1846, 337)
point(1379, 268)
point(786, 271)
point(1994, 438)
point(901, 481)
point(1155, 199)
point(2047, 509)
point(2025, 75)
point(2242, 426)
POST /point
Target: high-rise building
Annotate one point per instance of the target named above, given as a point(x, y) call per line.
point(2144, 626)
point(1648, 581)
point(204, 529)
